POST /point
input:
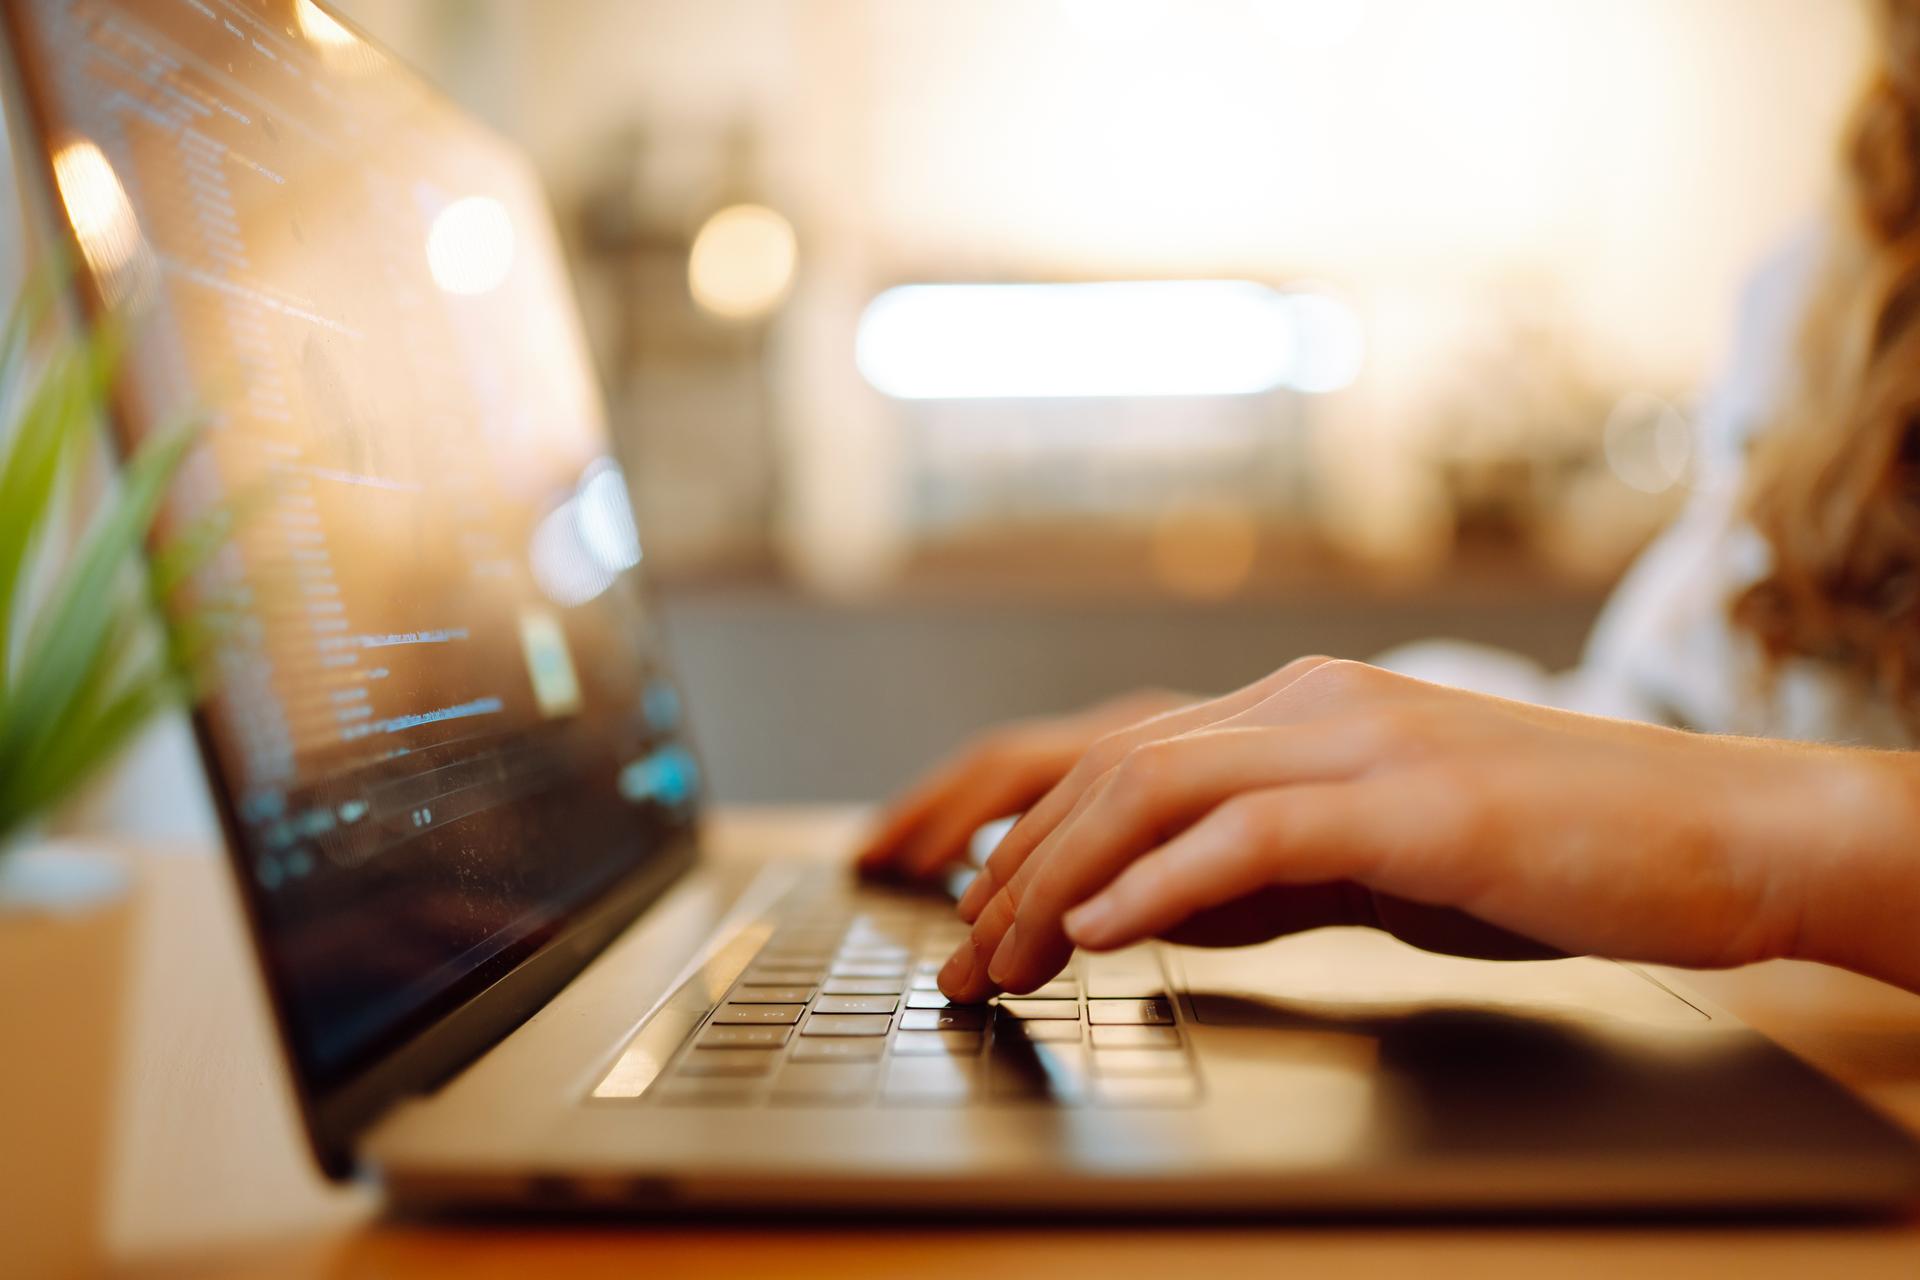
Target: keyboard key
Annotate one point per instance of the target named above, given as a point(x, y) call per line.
point(745, 1014)
point(1058, 989)
point(936, 1080)
point(916, 1044)
point(856, 1004)
point(794, 957)
point(874, 954)
point(1110, 1012)
point(1135, 1037)
point(781, 976)
point(744, 1037)
point(1126, 975)
point(926, 982)
point(709, 1091)
point(771, 995)
point(957, 1018)
point(864, 970)
point(1146, 1091)
point(894, 935)
point(826, 1082)
point(1038, 1031)
point(727, 1062)
point(1139, 1062)
point(847, 1024)
point(934, 1000)
point(848, 1049)
point(797, 954)
point(861, 986)
point(1037, 1009)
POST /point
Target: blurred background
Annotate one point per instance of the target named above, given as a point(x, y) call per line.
point(978, 360)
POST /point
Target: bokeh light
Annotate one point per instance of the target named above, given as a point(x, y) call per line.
point(584, 544)
point(742, 263)
point(470, 246)
point(1648, 443)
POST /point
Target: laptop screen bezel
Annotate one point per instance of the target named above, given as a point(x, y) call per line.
point(486, 1004)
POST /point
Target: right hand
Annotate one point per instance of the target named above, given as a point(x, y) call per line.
point(997, 775)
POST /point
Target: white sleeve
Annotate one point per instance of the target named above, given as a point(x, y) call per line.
point(1663, 648)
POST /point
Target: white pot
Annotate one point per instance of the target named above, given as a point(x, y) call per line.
point(66, 915)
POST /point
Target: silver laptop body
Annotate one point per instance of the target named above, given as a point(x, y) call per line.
point(462, 812)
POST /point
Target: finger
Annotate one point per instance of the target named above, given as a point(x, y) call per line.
point(906, 821)
point(1040, 820)
point(943, 838)
point(1315, 834)
point(964, 977)
point(901, 819)
point(968, 969)
point(1159, 788)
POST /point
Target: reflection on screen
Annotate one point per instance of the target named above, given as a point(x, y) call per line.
point(439, 730)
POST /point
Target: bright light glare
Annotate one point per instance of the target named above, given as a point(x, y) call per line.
point(338, 47)
point(586, 542)
point(1125, 338)
point(470, 246)
point(98, 209)
point(1127, 20)
point(1330, 347)
point(604, 518)
point(742, 262)
point(1312, 25)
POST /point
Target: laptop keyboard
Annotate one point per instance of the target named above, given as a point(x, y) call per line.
point(840, 1008)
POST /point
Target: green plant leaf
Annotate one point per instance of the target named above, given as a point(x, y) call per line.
point(30, 308)
point(75, 631)
point(86, 743)
point(53, 421)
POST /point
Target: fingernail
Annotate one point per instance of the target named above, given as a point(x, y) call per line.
point(1003, 956)
point(1088, 921)
point(958, 970)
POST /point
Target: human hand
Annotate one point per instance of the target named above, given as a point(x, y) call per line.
point(995, 776)
point(1337, 793)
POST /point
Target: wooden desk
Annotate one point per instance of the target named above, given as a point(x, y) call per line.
point(212, 1179)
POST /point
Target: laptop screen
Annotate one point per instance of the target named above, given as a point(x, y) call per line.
point(440, 727)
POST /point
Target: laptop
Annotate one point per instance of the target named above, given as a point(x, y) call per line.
point(463, 812)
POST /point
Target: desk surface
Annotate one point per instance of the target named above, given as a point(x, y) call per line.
point(211, 1177)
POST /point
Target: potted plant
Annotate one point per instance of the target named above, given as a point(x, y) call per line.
point(85, 662)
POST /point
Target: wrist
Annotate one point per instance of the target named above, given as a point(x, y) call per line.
point(1856, 864)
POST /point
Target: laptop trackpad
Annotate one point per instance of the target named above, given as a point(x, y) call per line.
point(1362, 975)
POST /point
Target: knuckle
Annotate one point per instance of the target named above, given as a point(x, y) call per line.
point(1340, 678)
point(1297, 669)
point(1140, 771)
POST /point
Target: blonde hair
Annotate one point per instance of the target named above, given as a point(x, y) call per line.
point(1835, 485)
